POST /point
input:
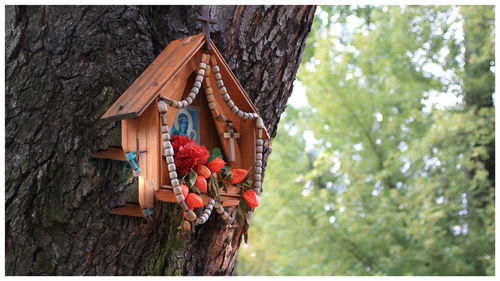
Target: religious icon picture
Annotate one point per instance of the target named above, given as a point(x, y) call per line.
point(187, 123)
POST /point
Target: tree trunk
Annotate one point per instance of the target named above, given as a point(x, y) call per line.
point(64, 67)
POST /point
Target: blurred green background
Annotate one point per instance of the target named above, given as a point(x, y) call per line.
point(384, 159)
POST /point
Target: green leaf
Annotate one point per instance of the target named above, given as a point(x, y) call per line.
point(243, 209)
point(214, 153)
point(226, 174)
point(190, 178)
point(217, 194)
point(194, 189)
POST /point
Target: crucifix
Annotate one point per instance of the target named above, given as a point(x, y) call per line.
point(231, 135)
point(206, 20)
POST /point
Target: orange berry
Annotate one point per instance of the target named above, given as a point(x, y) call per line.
point(252, 198)
point(201, 184)
point(238, 175)
point(203, 171)
point(216, 164)
point(193, 200)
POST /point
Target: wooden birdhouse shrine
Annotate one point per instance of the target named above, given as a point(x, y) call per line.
point(190, 133)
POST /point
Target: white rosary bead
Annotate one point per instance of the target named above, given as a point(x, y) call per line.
point(226, 98)
point(215, 68)
point(203, 217)
point(202, 65)
point(168, 151)
point(199, 78)
point(258, 163)
point(230, 103)
point(167, 144)
point(174, 182)
point(190, 215)
point(171, 168)
point(259, 123)
point(258, 177)
point(260, 142)
point(177, 190)
point(259, 149)
point(195, 90)
point(258, 170)
point(210, 98)
point(257, 184)
point(179, 197)
point(169, 159)
point(201, 72)
point(162, 107)
point(223, 90)
point(219, 84)
point(197, 84)
point(164, 129)
point(165, 136)
point(210, 204)
point(172, 175)
point(218, 76)
point(174, 104)
point(258, 156)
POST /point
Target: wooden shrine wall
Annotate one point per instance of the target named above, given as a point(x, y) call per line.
point(143, 135)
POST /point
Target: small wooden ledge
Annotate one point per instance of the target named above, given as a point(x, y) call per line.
point(130, 209)
point(230, 198)
point(113, 153)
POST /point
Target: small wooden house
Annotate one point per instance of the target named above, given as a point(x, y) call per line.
point(171, 75)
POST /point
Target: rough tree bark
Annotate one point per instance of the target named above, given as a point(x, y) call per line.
point(64, 67)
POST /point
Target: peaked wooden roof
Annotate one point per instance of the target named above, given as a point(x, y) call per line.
point(141, 93)
point(168, 72)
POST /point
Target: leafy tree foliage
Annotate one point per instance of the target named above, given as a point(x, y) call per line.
point(395, 181)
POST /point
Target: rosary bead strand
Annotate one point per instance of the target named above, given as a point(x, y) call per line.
point(225, 96)
point(194, 91)
point(168, 152)
point(225, 216)
point(206, 212)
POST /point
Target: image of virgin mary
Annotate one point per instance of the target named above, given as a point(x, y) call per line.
point(184, 125)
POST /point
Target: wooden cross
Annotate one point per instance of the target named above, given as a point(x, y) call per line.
point(206, 20)
point(231, 135)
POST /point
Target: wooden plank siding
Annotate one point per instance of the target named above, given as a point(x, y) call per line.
point(143, 134)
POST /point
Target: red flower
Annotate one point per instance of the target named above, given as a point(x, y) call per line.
point(178, 141)
point(187, 154)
